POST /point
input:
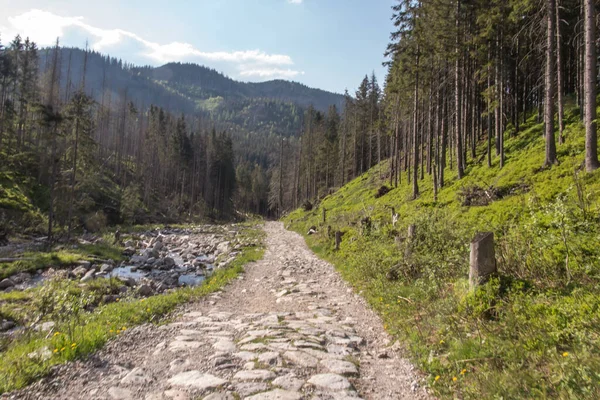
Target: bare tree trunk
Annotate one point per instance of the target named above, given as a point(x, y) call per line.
point(559, 77)
point(549, 98)
point(457, 94)
point(415, 126)
point(591, 136)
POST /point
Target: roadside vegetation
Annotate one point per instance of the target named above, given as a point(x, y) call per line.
point(82, 324)
point(532, 331)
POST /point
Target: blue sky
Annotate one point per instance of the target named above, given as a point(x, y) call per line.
point(329, 44)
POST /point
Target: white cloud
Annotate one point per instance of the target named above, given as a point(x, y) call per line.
point(295, 1)
point(44, 27)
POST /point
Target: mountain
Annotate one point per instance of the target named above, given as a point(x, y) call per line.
point(199, 82)
point(268, 107)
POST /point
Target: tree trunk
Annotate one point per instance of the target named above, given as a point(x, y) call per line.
point(559, 76)
point(549, 98)
point(591, 136)
point(458, 109)
point(415, 130)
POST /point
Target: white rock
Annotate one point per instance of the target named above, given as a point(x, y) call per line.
point(197, 380)
point(276, 394)
point(289, 382)
point(254, 375)
point(301, 359)
point(118, 393)
point(340, 367)
point(330, 382)
point(137, 376)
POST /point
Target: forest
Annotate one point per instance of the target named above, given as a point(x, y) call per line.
point(453, 83)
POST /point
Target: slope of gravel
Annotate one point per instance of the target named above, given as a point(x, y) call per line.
point(288, 329)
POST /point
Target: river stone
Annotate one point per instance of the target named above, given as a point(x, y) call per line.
point(88, 276)
point(340, 367)
point(301, 359)
point(6, 283)
point(197, 380)
point(137, 376)
point(330, 382)
point(79, 272)
point(254, 375)
point(277, 394)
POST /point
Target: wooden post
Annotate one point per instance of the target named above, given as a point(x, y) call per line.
point(483, 259)
point(324, 214)
point(338, 239)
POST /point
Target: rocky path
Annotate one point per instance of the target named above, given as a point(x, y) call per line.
point(288, 329)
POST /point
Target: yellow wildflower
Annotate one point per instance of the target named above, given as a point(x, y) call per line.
point(454, 379)
point(437, 378)
point(442, 341)
point(63, 349)
point(123, 328)
point(56, 333)
point(56, 350)
point(464, 371)
point(566, 354)
point(111, 331)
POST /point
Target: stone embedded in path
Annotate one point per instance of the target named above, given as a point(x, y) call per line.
point(137, 376)
point(340, 367)
point(268, 358)
point(224, 345)
point(249, 388)
point(301, 359)
point(254, 375)
point(117, 393)
point(289, 382)
point(220, 396)
point(179, 345)
point(245, 355)
point(330, 382)
point(197, 380)
point(277, 394)
point(175, 395)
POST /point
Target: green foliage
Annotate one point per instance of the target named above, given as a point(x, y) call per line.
point(529, 333)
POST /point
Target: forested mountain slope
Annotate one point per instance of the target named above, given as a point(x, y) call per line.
point(531, 332)
point(274, 106)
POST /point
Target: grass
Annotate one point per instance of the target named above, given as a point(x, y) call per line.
point(79, 332)
point(531, 332)
point(60, 257)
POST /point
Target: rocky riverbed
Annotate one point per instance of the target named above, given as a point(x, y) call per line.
point(156, 261)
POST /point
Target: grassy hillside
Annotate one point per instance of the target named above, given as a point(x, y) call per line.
point(531, 332)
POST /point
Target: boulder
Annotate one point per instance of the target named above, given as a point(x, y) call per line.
point(88, 276)
point(79, 272)
point(6, 326)
point(145, 290)
point(6, 283)
point(104, 268)
point(169, 262)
